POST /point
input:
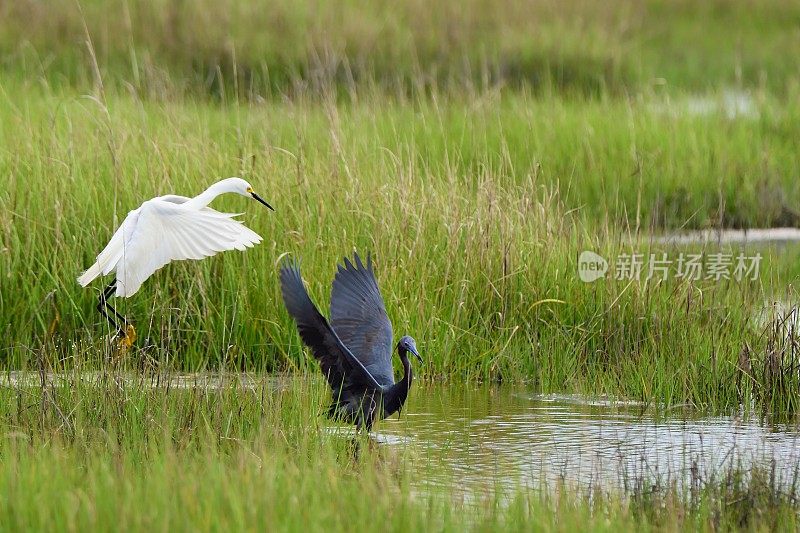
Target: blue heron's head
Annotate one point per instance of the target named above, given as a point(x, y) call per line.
point(408, 344)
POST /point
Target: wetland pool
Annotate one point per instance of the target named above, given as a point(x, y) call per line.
point(482, 437)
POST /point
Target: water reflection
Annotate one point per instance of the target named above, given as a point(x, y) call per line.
point(480, 437)
point(485, 436)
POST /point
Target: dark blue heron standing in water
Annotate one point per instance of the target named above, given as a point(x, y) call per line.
point(355, 349)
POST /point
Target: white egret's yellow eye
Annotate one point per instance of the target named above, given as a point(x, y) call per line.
point(250, 190)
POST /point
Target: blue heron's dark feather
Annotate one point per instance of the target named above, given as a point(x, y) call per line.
point(358, 316)
point(342, 370)
point(354, 351)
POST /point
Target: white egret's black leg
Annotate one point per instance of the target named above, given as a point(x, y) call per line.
point(103, 304)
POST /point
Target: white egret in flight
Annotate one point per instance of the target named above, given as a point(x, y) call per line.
point(165, 229)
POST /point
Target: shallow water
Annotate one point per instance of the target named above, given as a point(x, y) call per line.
point(730, 103)
point(481, 437)
point(730, 236)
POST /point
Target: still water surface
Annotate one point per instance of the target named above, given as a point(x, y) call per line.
point(484, 436)
point(480, 437)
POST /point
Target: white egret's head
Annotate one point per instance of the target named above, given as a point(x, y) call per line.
point(240, 186)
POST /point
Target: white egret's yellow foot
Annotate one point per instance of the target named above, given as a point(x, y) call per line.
point(126, 340)
point(130, 335)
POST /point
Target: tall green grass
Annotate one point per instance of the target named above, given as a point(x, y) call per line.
point(475, 202)
point(475, 149)
point(104, 453)
point(220, 48)
point(476, 249)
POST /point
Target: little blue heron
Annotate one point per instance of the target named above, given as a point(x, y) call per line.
point(355, 349)
point(165, 229)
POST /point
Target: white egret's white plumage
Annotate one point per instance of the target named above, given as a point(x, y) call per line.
point(172, 228)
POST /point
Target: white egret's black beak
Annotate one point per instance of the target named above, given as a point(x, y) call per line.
point(413, 349)
point(258, 198)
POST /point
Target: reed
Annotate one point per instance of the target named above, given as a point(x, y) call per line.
point(475, 230)
point(221, 49)
point(117, 451)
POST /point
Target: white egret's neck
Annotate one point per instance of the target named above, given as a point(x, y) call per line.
point(206, 197)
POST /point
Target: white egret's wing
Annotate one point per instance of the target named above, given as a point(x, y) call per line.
point(107, 259)
point(173, 198)
point(166, 231)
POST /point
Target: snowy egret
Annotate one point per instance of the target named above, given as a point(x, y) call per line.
point(165, 229)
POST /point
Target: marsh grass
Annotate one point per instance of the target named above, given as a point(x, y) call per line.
point(226, 49)
point(475, 151)
point(121, 451)
point(474, 230)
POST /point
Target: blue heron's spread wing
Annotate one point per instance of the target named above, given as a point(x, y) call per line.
point(358, 316)
point(342, 370)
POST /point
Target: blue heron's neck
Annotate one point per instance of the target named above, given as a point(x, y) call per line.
point(399, 391)
point(408, 375)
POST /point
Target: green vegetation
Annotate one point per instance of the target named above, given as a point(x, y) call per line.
point(219, 48)
point(105, 454)
point(475, 149)
point(476, 246)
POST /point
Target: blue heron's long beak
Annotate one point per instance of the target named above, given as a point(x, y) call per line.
point(258, 198)
point(413, 349)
